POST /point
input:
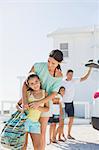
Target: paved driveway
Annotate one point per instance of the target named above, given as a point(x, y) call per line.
point(87, 138)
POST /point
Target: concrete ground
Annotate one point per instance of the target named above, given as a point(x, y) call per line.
point(86, 137)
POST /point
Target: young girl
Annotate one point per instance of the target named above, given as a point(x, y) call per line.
point(32, 125)
point(56, 111)
point(60, 129)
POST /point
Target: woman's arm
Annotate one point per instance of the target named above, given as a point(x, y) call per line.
point(19, 105)
point(45, 108)
point(45, 100)
point(24, 90)
point(35, 105)
point(19, 102)
point(24, 94)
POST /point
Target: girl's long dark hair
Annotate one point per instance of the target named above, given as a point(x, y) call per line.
point(30, 77)
point(62, 87)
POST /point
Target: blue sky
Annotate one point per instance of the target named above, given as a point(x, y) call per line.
point(24, 26)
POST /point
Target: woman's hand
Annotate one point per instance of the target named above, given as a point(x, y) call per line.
point(34, 105)
point(22, 108)
point(26, 106)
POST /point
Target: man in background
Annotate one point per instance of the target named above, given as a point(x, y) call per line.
point(69, 84)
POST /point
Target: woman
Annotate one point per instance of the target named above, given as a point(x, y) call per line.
point(51, 77)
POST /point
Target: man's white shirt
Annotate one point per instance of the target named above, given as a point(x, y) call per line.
point(69, 89)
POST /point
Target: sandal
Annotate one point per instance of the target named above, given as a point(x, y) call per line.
point(70, 137)
point(61, 140)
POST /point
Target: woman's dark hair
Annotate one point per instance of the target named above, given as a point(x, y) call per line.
point(59, 67)
point(57, 55)
point(32, 76)
point(62, 87)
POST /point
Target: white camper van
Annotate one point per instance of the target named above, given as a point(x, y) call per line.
point(95, 107)
point(95, 111)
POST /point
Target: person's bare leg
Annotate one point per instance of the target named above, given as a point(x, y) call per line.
point(61, 123)
point(36, 141)
point(51, 132)
point(44, 122)
point(26, 141)
point(61, 134)
point(58, 132)
point(54, 132)
point(70, 123)
point(64, 136)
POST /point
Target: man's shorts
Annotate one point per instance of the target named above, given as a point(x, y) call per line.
point(69, 109)
point(32, 127)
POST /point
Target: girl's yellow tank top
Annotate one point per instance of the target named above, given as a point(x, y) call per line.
point(34, 114)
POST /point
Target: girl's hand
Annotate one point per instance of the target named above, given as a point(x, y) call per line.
point(19, 108)
point(34, 105)
point(25, 106)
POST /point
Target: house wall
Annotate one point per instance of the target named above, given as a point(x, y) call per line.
point(82, 47)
